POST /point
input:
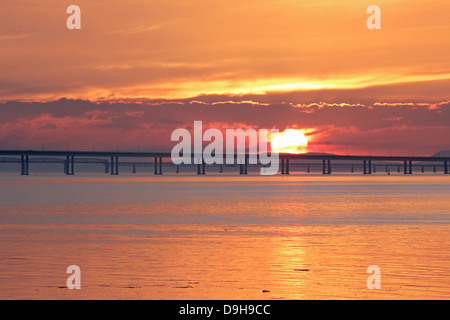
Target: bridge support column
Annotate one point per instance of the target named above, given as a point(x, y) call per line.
point(113, 159)
point(25, 165)
point(326, 167)
point(368, 167)
point(308, 170)
point(408, 167)
point(201, 168)
point(446, 167)
point(242, 166)
point(134, 169)
point(114, 166)
point(178, 169)
point(70, 165)
point(106, 167)
point(285, 166)
point(246, 165)
point(221, 169)
point(159, 166)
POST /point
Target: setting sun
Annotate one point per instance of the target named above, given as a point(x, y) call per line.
point(289, 141)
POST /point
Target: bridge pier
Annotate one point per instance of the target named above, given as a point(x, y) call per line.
point(285, 166)
point(367, 166)
point(70, 165)
point(243, 167)
point(246, 165)
point(25, 161)
point(134, 169)
point(446, 167)
point(106, 167)
point(326, 166)
point(201, 168)
point(114, 165)
point(158, 166)
point(221, 169)
point(407, 167)
point(308, 170)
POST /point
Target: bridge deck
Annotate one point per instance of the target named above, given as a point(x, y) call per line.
point(125, 154)
point(285, 159)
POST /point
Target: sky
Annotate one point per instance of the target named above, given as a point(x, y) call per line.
point(139, 69)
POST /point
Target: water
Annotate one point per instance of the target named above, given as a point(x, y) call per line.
point(225, 237)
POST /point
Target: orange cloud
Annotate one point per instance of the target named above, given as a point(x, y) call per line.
point(178, 49)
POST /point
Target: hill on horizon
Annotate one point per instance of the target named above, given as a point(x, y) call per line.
point(442, 154)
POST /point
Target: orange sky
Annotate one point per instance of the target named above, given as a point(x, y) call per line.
point(160, 65)
point(181, 48)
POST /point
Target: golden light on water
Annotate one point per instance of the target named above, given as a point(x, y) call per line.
point(290, 141)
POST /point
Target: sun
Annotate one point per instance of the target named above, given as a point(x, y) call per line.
point(289, 141)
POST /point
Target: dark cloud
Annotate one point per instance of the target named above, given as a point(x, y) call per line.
point(338, 126)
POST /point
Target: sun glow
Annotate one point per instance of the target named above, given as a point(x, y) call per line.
point(289, 141)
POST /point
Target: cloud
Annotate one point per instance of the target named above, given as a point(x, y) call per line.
point(179, 49)
point(140, 29)
point(342, 127)
point(14, 36)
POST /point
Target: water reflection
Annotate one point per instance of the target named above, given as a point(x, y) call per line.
point(225, 238)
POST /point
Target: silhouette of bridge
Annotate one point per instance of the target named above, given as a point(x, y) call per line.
point(110, 160)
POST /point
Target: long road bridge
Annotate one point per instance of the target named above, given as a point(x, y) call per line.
point(287, 161)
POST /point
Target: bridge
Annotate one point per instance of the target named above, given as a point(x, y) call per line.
point(110, 160)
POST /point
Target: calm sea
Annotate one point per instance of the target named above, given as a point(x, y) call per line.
point(225, 237)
